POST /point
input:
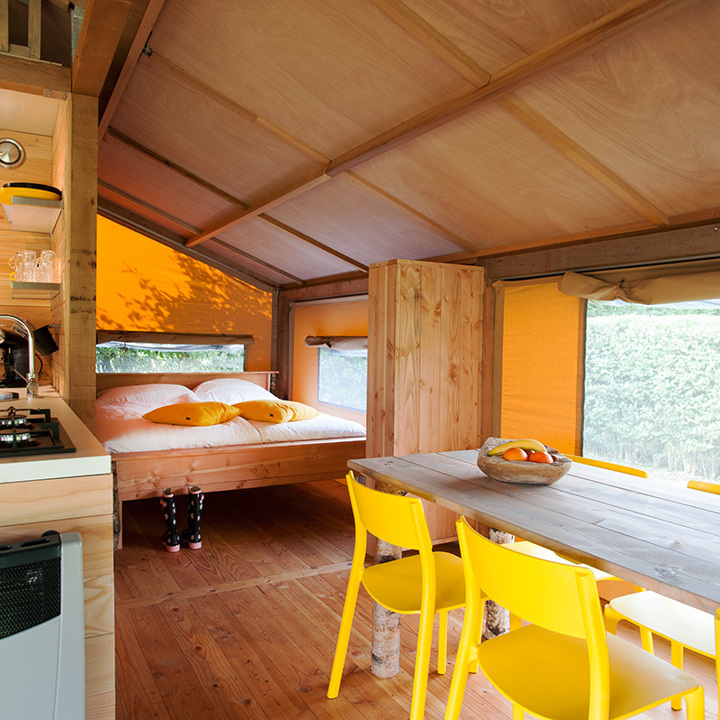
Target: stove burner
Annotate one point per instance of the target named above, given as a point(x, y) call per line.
point(32, 432)
point(22, 439)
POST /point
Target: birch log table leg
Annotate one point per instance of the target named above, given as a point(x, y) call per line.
point(497, 618)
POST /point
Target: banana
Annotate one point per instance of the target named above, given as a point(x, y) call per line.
point(526, 444)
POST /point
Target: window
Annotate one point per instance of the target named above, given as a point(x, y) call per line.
point(342, 378)
point(652, 388)
point(129, 357)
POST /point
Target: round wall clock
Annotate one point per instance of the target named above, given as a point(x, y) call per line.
point(12, 153)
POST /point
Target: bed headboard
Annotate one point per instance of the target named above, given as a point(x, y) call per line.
point(103, 381)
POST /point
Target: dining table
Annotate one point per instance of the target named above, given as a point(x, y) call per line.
point(657, 534)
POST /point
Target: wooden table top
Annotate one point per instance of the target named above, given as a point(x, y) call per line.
point(660, 536)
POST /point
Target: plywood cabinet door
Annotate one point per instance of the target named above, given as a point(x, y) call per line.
point(425, 363)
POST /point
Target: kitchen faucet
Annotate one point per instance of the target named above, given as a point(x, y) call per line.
point(33, 389)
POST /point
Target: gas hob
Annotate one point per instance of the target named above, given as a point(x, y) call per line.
point(26, 432)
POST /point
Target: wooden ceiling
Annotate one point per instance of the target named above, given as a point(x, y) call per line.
point(297, 141)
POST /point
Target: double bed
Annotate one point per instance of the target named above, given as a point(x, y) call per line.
point(239, 453)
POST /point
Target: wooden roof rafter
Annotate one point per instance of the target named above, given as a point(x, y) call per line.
point(230, 198)
point(152, 11)
point(558, 54)
point(100, 33)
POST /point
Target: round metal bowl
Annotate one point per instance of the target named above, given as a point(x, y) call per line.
point(521, 471)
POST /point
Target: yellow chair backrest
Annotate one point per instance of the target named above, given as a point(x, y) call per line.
point(556, 596)
point(608, 465)
point(397, 519)
point(704, 486)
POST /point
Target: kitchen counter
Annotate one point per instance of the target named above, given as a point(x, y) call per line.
point(90, 457)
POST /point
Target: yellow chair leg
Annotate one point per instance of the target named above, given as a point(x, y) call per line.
point(518, 712)
point(676, 658)
point(612, 618)
point(696, 704)
point(422, 663)
point(442, 643)
point(465, 662)
point(344, 634)
point(646, 638)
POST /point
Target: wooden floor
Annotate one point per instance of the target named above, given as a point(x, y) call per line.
point(246, 626)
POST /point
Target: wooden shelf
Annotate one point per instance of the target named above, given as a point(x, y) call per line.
point(33, 214)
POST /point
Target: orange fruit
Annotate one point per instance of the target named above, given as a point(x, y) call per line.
point(515, 453)
point(541, 457)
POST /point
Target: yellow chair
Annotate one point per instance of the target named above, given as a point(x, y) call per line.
point(563, 666)
point(682, 625)
point(428, 583)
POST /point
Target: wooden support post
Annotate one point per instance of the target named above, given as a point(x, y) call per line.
point(34, 27)
point(4, 26)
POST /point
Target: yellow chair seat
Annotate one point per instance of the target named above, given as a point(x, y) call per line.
point(548, 674)
point(397, 585)
point(670, 619)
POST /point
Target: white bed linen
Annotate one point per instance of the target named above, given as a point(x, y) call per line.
point(121, 428)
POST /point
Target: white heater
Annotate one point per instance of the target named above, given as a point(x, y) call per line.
point(42, 629)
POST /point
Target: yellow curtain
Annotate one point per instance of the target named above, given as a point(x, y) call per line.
point(143, 285)
point(542, 359)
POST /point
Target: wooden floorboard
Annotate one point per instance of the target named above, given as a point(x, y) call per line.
point(246, 626)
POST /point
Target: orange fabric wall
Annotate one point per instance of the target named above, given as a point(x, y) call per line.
point(144, 285)
point(336, 318)
point(542, 365)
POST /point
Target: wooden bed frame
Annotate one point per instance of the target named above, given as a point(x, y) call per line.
point(145, 474)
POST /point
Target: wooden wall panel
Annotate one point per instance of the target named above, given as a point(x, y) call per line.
point(425, 363)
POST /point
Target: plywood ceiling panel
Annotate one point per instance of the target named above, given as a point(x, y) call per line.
point(648, 106)
point(246, 265)
point(492, 180)
point(144, 178)
point(333, 74)
point(362, 224)
point(277, 247)
point(179, 121)
point(497, 34)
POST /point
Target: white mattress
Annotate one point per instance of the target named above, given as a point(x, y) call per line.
point(121, 428)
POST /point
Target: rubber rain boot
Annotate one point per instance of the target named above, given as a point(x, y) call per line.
point(195, 505)
point(171, 539)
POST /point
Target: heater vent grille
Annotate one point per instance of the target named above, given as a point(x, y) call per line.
point(29, 595)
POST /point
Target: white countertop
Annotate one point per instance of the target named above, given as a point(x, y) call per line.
point(89, 459)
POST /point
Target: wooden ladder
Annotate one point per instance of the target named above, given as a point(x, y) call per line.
point(32, 49)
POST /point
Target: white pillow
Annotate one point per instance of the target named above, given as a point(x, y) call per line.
point(153, 395)
point(231, 391)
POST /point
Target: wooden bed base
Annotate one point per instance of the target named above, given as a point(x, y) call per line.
point(145, 474)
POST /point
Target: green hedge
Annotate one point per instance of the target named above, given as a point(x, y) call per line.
point(652, 389)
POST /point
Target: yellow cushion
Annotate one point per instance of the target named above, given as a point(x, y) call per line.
point(276, 411)
point(193, 413)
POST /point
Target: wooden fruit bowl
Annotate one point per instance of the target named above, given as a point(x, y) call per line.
point(521, 471)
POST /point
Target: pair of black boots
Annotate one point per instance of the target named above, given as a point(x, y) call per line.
point(171, 538)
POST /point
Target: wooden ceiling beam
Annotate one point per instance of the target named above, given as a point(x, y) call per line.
point(257, 260)
point(584, 159)
point(580, 43)
point(428, 36)
point(37, 78)
point(100, 34)
point(152, 11)
point(274, 198)
point(112, 132)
